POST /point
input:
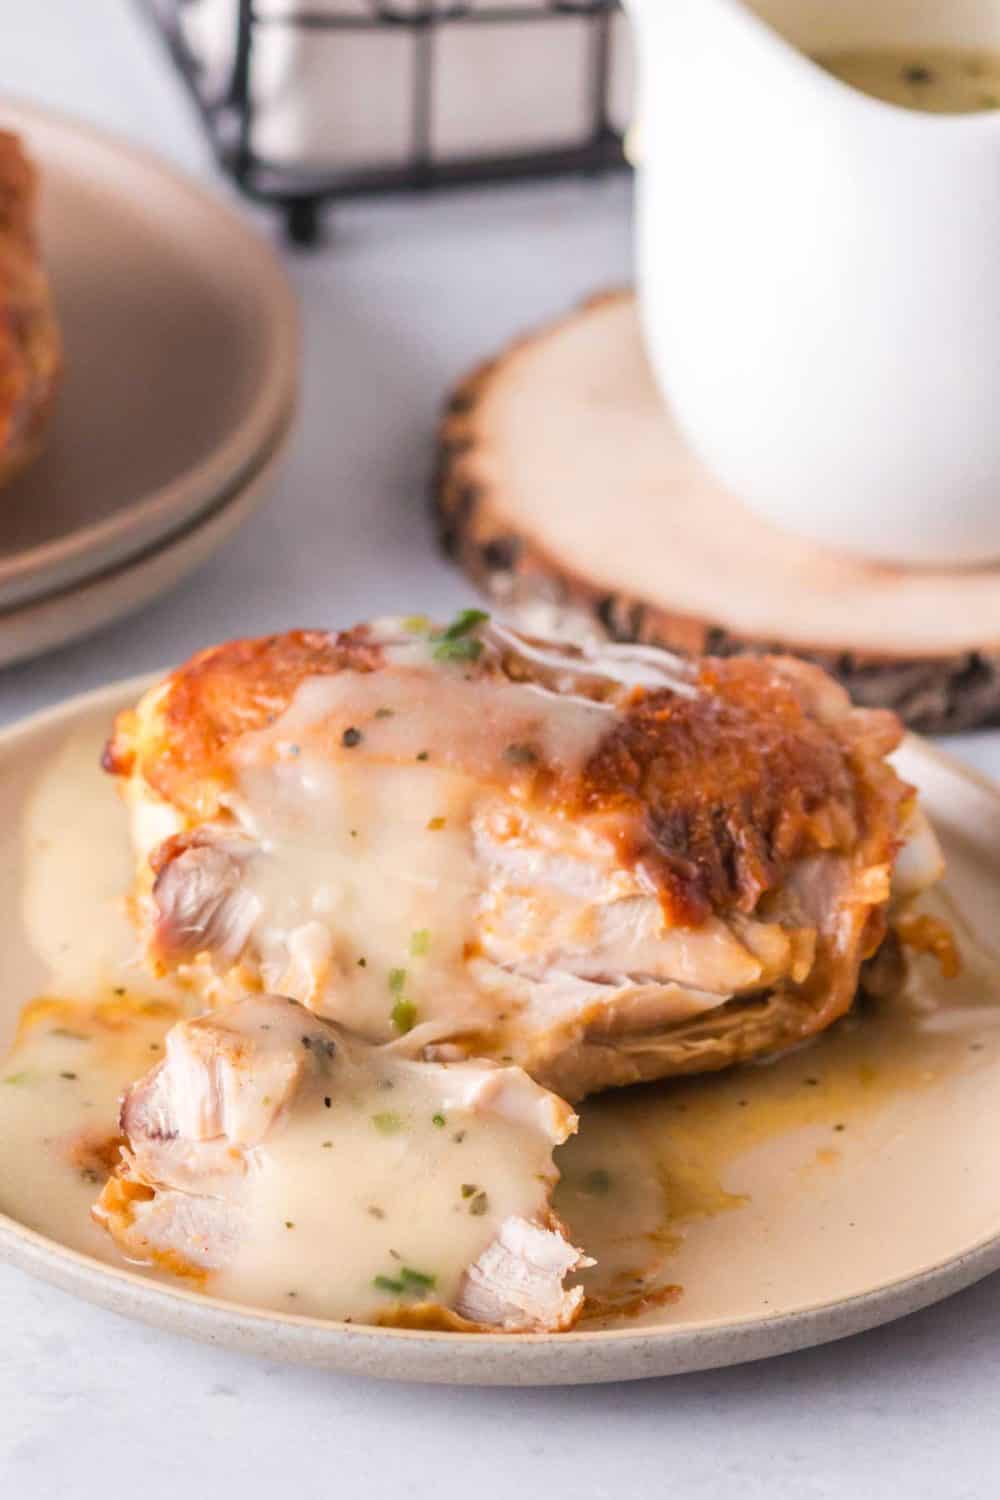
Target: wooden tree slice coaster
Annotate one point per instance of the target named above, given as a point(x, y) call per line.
point(563, 479)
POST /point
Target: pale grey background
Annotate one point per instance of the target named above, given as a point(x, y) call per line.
point(406, 296)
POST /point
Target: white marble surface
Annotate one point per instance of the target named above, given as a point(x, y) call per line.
point(406, 296)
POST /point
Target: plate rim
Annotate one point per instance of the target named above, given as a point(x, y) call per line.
point(273, 446)
point(490, 1358)
point(183, 550)
point(62, 562)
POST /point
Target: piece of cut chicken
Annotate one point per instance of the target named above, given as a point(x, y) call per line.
point(605, 865)
point(30, 343)
point(297, 1167)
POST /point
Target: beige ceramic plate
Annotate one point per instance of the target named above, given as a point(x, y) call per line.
point(847, 1185)
point(181, 359)
point(27, 630)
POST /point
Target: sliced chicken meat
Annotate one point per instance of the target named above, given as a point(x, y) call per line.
point(517, 1282)
point(30, 340)
point(603, 865)
point(288, 1164)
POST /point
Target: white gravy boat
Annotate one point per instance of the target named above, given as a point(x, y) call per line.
point(819, 272)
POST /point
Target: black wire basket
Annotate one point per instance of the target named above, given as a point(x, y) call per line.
point(227, 98)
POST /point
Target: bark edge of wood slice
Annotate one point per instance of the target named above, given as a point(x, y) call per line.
point(563, 483)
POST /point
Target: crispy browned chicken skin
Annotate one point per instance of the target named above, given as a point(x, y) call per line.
point(608, 866)
point(30, 347)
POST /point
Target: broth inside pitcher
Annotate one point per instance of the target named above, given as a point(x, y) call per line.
point(937, 80)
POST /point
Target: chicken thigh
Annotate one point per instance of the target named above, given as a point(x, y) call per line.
point(602, 865)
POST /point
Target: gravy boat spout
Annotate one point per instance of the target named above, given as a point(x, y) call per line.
point(818, 271)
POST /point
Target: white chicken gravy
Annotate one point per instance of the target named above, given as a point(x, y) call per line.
point(385, 1197)
point(101, 1025)
point(646, 1164)
point(366, 887)
point(936, 80)
point(59, 1092)
point(404, 879)
point(362, 797)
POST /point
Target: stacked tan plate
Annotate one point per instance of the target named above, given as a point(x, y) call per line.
point(181, 356)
